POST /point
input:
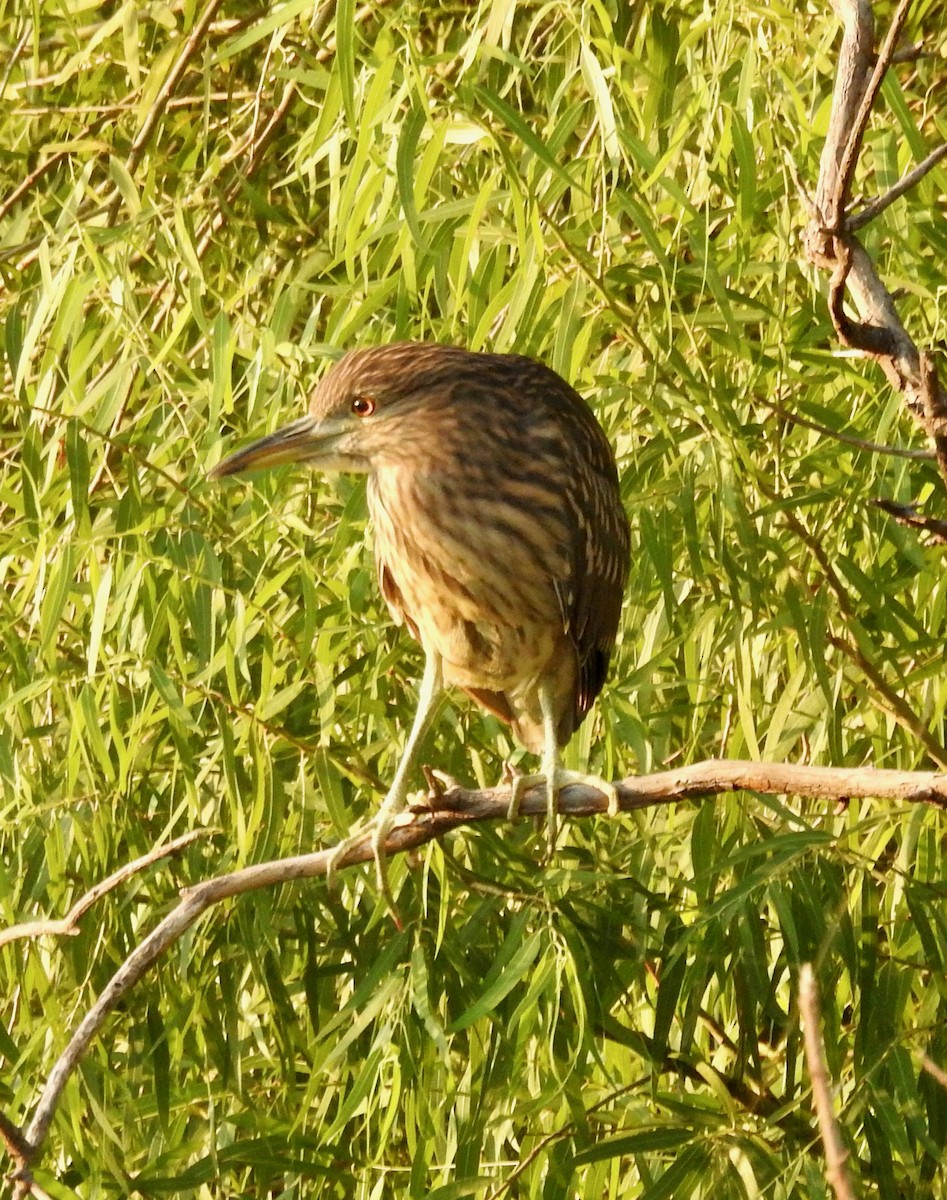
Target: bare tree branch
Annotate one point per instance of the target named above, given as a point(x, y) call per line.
point(830, 240)
point(884, 694)
point(907, 514)
point(835, 1153)
point(69, 924)
point(904, 184)
point(437, 816)
point(156, 111)
point(867, 92)
point(30, 181)
point(847, 439)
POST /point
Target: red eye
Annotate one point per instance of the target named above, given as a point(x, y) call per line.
point(363, 406)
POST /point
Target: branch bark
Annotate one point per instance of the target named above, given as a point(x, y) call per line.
point(830, 240)
point(68, 925)
point(442, 813)
point(836, 1155)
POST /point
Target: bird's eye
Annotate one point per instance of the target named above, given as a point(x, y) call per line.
point(363, 406)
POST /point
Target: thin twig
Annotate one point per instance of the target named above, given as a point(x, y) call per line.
point(254, 162)
point(904, 184)
point(16, 1144)
point(887, 699)
point(130, 102)
point(907, 514)
point(857, 131)
point(68, 925)
point(934, 1071)
point(30, 181)
point(15, 56)
point(835, 1153)
point(849, 439)
point(884, 695)
point(25, 1186)
point(855, 58)
point(911, 53)
point(156, 111)
point(832, 245)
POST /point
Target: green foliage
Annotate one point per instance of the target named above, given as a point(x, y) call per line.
point(609, 187)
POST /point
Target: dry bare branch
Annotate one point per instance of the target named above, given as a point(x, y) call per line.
point(68, 925)
point(438, 815)
point(907, 514)
point(156, 110)
point(904, 184)
point(864, 93)
point(830, 240)
point(835, 1153)
point(31, 180)
point(847, 439)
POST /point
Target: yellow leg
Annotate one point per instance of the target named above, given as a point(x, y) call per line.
point(395, 801)
point(555, 777)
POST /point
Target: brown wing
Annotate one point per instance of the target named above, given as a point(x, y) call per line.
point(561, 430)
point(591, 600)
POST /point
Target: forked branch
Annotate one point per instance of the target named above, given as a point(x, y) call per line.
point(68, 926)
point(441, 813)
point(830, 239)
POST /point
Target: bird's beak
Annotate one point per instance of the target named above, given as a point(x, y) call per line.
point(305, 440)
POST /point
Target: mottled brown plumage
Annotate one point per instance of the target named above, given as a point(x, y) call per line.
point(500, 539)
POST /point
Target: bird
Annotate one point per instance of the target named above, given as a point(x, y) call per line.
point(500, 539)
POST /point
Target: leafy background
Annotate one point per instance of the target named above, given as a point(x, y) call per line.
point(612, 188)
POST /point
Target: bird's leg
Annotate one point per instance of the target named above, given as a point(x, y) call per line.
point(432, 682)
point(519, 784)
point(396, 799)
point(550, 775)
point(551, 767)
point(555, 776)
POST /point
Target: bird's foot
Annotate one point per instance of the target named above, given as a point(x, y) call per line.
point(608, 790)
point(381, 827)
point(519, 785)
point(438, 783)
point(507, 772)
point(340, 851)
point(377, 830)
point(554, 784)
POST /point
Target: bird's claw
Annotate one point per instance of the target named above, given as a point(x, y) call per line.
point(382, 825)
point(518, 784)
point(438, 782)
point(377, 829)
point(341, 850)
point(508, 772)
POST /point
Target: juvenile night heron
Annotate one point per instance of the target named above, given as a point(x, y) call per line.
point(500, 537)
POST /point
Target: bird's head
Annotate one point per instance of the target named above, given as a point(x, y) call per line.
point(373, 403)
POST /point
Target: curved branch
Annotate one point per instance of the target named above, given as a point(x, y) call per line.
point(907, 514)
point(68, 925)
point(846, 439)
point(160, 102)
point(439, 815)
point(870, 86)
point(904, 185)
